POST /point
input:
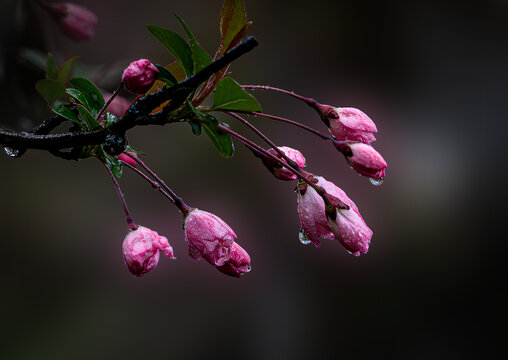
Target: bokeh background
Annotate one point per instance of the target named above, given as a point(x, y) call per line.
point(432, 75)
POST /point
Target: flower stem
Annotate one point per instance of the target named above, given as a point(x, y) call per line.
point(342, 146)
point(154, 184)
point(311, 102)
point(258, 148)
point(268, 141)
point(117, 91)
point(295, 123)
point(184, 208)
point(130, 222)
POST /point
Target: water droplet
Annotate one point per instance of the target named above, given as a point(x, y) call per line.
point(302, 236)
point(12, 152)
point(376, 182)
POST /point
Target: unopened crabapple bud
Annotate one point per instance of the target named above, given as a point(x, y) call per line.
point(126, 157)
point(351, 230)
point(141, 249)
point(237, 265)
point(279, 171)
point(139, 76)
point(208, 235)
point(77, 22)
point(352, 124)
point(312, 212)
point(118, 106)
point(367, 161)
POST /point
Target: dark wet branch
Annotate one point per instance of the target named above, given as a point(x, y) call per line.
point(138, 114)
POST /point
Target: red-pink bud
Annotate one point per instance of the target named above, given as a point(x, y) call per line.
point(284, 173)
point(141, 250)
point(118, 106)
point(352, 232)
point(352, 124)
point(311, 209)
point(237, 265)
point(207, 234)
point(75, 21)
point(139, 76)
point(128, 159)
point(367, 161)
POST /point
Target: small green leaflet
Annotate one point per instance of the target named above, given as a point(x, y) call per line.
point(176, 45)
point(230, 96)
point(50, 90)
point(85, 92)
point(51, 70)
point(112, 162)
point(220, 139)
point(63, 110)
point(115, 165)
point(64, 72)
point(166, 75)
point(90, 121)
point(233, 19)
point(199, 55)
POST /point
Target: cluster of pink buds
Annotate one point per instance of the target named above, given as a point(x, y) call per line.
point(207, 236)
point(354, 131)
point(341, 223)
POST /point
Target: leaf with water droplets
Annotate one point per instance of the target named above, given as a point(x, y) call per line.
point(87, 93)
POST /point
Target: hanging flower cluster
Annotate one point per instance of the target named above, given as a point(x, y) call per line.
point(176, 93)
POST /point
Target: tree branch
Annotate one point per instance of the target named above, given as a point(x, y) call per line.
point(138, 113)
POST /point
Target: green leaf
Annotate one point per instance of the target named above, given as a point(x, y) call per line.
point(176, 45)
point(86, 92)
point(115, 165)
point(90, 121)
point(230, 96)
point(166, 75)
point(220, 139)
point(232, 19)
point(50, 90)
point(64, 72)
point(199, 55)
point(63, 110)
point(51, 71)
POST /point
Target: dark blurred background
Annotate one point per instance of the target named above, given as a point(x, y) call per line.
point(431, 74)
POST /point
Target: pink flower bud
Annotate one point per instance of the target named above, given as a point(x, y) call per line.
point(141, 250)
point(139, 76)
point(125, 158)
point(237, 265)
point(119, 105)
point(311, 209)
point(352, 232)
point(367, 161)
point(352, 124)
point(208, 235)
point(77, 22)
point(281, 172)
